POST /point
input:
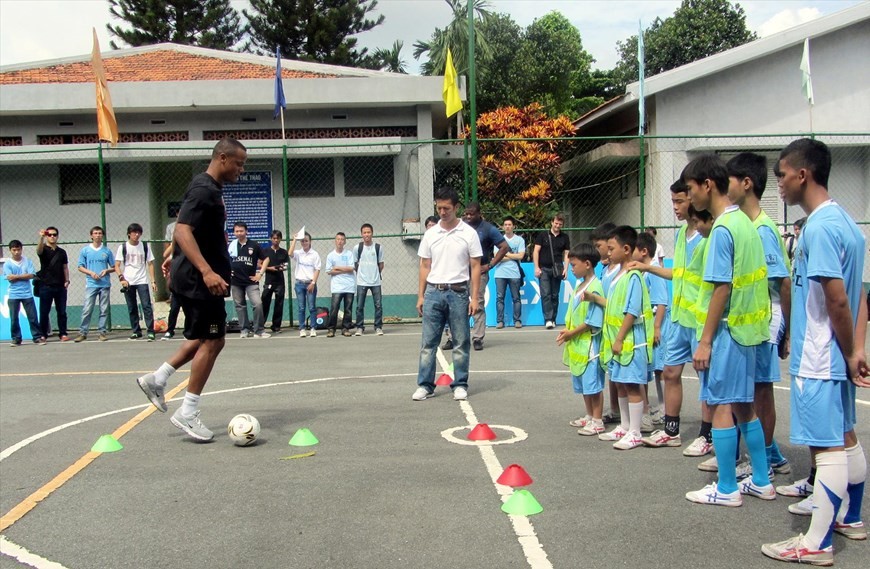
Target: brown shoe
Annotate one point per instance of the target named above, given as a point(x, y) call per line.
point(330, 334)
point(80, 338)
point(500, 325)
point(104, 337)
point(346, 333)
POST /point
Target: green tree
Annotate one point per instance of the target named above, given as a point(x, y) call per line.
point(698, 29)
point(455, 37)
point(499, 80)
point(311, 30)
point(206, 23)
point(389, 59)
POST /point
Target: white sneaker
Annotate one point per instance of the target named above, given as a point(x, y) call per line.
point(421, 394)
point(799, 489)
point(662, 439)
point(614, 435)
point(243, 334)
point(358, 332)
point(710, 495)
point(658, 418)
point(302, 333)
point(744, 470)
point(646, 424)
point(855, 530)
point(802, 508)
point(749, 488)
point(709, 465)
point(592, 427)
point(313, 333)
point(550, 325)
point(629, 441)
point(699, 447)
point(263, 335)
point(192, 426)
point(379, 332)
point(460, 394)
point(793, 550)
point(149, 386)
point(579, 422)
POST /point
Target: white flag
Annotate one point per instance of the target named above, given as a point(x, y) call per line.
point(807, 76)
point(300, 235)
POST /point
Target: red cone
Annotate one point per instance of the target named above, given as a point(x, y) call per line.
point(444, 379)
point(481, 432)
point(514, 476)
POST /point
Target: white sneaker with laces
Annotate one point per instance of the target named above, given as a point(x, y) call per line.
point(646, 424)
point(802, 508)
point(795, 551)
point(710, 495)
point(699, 447)
point(421, 394)
point(661, 439)
point(313, 333)
point(658, 418)
point(855, 530)
point(709, 465)
point(629, 441)
point(749, 488)
point(192, 426)
point(580, 422)
point(460, 394)
point(149, 386)
point(358, 332)
point(550, 325)
point(744, 470)
point(799, 489)
point(302, 333)
point(614, 435)
point(592, 427)
point(379, 332)
point(263, 335)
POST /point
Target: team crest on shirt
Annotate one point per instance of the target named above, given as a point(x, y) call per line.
point(251, 251)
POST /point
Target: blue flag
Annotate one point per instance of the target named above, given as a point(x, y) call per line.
point(280, 102)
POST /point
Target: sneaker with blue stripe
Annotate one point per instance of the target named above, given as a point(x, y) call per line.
point(750, 488)
point(710, 495)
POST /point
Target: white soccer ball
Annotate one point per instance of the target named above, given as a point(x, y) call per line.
point(243, 429)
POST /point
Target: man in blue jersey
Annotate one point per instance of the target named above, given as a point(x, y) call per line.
point(829, 322)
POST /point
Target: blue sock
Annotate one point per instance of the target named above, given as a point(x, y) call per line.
point(754, 436)
point(773, 454)
point(855, 492)
point(725, 443)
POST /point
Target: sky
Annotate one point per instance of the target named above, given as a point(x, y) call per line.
point(63, 27)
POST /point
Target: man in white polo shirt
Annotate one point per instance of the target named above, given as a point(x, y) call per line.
point(450, 256)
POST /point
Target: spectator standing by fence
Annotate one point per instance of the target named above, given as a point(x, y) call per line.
point(53, 277)
point(96, 262)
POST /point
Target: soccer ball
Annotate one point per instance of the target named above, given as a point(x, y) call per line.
point(160, 326)
point(243, 429)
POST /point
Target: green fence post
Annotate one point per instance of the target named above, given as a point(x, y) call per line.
point(286, 184)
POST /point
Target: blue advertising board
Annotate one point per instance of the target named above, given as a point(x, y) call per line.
point(250, 200)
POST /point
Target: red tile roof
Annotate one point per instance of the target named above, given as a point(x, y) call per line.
point(160, 65)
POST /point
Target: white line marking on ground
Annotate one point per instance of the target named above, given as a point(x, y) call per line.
point(26, 557)
point(519, 435)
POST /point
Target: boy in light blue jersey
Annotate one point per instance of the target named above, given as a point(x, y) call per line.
point(508, 273)
point(599, 241)
point(829, 325)
point(19, 271)
point(747, 178)
point(96, 262)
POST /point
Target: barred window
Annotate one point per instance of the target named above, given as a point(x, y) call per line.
point(311, 178)
point(80, 183)
point(368, 176)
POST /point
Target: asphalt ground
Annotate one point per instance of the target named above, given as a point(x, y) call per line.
point(384, 488)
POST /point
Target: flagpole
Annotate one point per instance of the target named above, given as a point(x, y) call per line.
point(472, 102)
point(283, 135)
point(641, 179)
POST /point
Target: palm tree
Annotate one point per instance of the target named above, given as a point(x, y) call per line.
point(391, 59)
point(455, 36)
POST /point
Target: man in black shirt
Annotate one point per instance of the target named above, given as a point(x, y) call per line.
point(200, 275)
point(53, 282)
point(245, 255)
point(551, 266)
point(277, 263)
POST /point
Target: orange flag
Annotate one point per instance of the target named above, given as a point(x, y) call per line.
point(107, 126)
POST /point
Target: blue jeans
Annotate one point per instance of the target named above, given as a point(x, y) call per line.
point(444, 307)
point(133, 308)
point(92, 296)
point(15, 305)
point(306, 301)
point(500, 288)
point(252, 291)
point(361, 304)
point(47, 295)
point(347, 319)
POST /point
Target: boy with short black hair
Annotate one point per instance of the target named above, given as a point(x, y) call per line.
point(582, 337)
point(604, 270)
point(96, 262)
point(734, 299)
point(19, 271)
point(627, 339)
point(132, 260)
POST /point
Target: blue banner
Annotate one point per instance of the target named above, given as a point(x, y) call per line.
point(250, 200)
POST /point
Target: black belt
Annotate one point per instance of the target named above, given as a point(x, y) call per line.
point(457, 287)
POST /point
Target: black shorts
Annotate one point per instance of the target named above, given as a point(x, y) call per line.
point(204, 319)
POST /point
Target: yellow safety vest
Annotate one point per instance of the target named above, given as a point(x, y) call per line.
point(749, 312)
point(576, 352)
point(694, 280)
point(764, 219)
point(687, 277)
point(613, 317)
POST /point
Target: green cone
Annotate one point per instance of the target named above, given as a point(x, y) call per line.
point(106, 443)
point(522, 503)
point(303, 438)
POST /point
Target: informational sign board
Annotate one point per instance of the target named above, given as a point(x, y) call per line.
point(250, 200)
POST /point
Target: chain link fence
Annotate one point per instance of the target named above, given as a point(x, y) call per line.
point(337, 187)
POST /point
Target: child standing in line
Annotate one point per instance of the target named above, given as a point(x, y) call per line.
point(582, 337)
point(627, 339)
point(19, 271)
point(605, 271)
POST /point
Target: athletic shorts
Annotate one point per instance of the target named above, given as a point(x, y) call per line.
point(204, 319)
point(591, 381)
point(731, 375)
point(817, 417)
point(849, 415)
point(767, 363)
point(637, 371)
point(678, 345)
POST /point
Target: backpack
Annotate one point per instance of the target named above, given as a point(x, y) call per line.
point(359, 250)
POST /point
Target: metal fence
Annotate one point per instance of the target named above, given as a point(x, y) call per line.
point(337, 187)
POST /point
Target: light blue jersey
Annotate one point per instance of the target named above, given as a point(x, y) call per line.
point(830, 246)
point(509, 269)
point(19, 289)
point(96, 261)
point(691, 243)
point(607, 274)
point(660, 299)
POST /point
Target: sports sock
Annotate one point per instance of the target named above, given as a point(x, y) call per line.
point(190, 404)
point(672, 425)
point(811, 479)
point(162, 374)
point(623, 412)
point(828, 493)
point(725, 443)
point(739, 436)
point(850, 511)
point(773, 454)
point(706, 431)
point(635, 414)
point(754, 435)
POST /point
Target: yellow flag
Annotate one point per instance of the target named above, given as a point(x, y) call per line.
point(450, 91)
point(107, 126)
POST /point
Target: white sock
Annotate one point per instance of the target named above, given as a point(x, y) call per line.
point(828, 492)
point(623, 412)
point(857, 476)
point(190, 404)
point(161, 376)
point(635, 414)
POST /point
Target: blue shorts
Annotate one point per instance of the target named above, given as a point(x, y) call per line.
point(767, 363)
point(817, 417)
point(849, 416)
point(637, 371)
point(731, 376)
point(591, 381)
point(678, 345)
point(660, 350)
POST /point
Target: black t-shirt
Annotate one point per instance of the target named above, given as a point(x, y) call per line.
point(203, 209)
point(276, 259)
point(51, 273)
point(561, 243)
point(244, 262)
